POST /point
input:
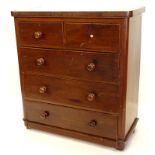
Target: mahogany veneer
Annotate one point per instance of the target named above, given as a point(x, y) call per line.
point(79, 73)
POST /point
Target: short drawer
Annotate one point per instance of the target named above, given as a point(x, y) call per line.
point(75, 93)
point(96, 36)
point(84, 121)
point(40, 34)
point(84, 65)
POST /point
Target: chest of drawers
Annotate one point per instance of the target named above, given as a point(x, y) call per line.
point(79, 73)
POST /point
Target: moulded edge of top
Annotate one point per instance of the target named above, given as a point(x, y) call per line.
point(78, 14)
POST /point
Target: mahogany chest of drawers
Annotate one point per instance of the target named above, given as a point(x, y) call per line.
point(79, 73)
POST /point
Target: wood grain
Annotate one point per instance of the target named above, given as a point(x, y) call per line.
point(72, 64)
point(73, 119)
point(51, 34)
point(72, 92)
point(78, 14)
point(133, 71)
point(92, 36)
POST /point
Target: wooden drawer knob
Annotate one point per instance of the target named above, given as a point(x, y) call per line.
point(42, 89)
point(37, 35)
point(40, 61)
point(92, 123)
point(91, 36)
point(91, 97)
point(44, 115)
point(91, 67)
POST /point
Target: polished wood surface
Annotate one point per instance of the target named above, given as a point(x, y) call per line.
point(80, 14)
point(92, 36)
point(40, 34)
point(75, 64)
point(93, 123)
point(79, 73)
point(92, 95)
point(94, 41)
point(133, 70)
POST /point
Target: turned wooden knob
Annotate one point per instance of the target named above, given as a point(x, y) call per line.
point(37, 35)
point(44, 114)
point(91, 36)
point(91, 67)
point(40, 61)
point(91, 96)
point(92, 123)
point(42, 89)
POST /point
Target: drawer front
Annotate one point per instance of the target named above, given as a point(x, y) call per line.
point(84, 65)
point(92, 36)
point(91, 95)
point(93, 123)
point(40, 34)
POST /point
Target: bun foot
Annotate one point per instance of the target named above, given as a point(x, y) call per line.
point(120, 145)
point(27, 125)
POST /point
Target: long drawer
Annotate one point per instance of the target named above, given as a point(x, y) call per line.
point(75, 93)
point(77, 64)
point(84, 121)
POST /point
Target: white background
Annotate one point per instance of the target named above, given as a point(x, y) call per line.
point(16, 139)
